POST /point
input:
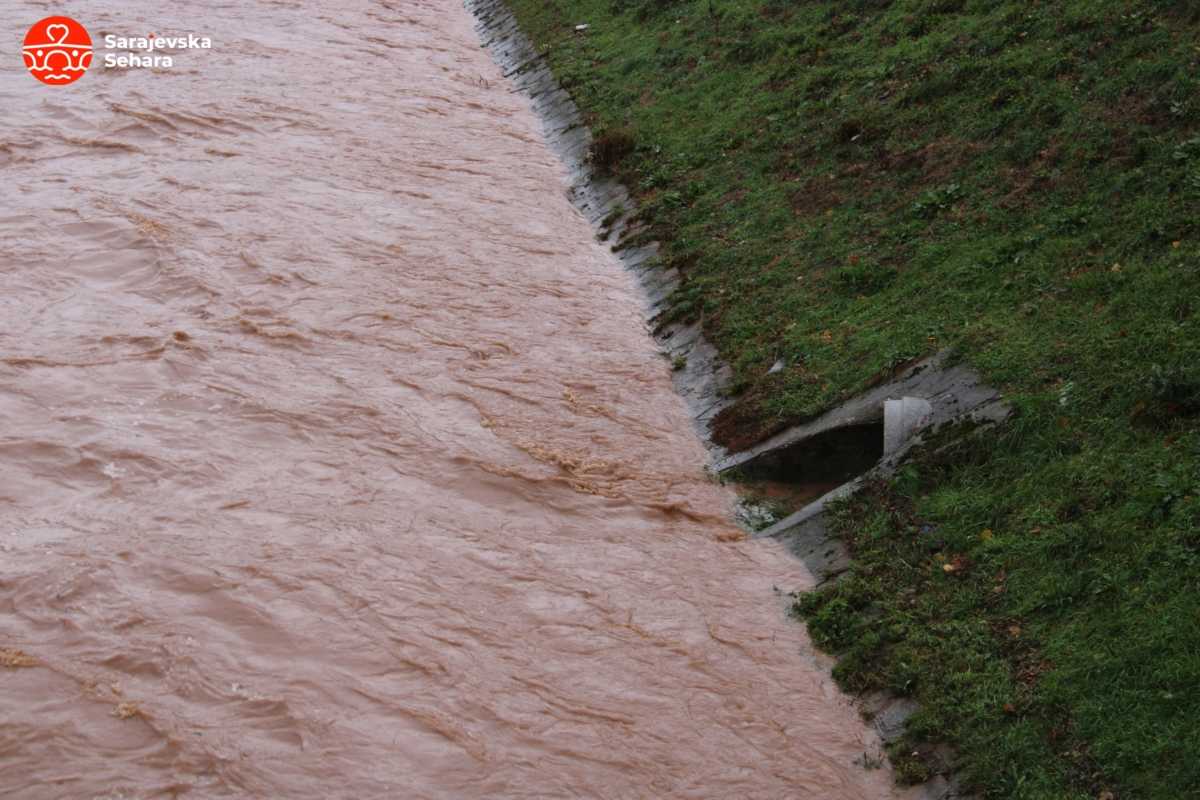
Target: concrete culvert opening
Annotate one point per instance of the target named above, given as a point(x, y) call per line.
point(777, 482)
point(827, 459)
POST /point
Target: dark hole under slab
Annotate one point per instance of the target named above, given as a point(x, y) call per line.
point(779, 482)
point(829, 458)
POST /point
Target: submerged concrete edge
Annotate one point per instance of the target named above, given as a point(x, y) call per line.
point(700, 376)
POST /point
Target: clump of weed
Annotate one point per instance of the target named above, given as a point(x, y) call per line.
point(937, 200)
point(644, 9)
point(864, 279)
point(1172, 392)
point(610, 148)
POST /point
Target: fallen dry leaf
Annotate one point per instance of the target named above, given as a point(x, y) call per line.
point(956, 565)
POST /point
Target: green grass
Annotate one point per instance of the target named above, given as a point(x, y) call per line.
point(851, 184)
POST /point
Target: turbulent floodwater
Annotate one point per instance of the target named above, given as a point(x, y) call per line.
point(335, 461)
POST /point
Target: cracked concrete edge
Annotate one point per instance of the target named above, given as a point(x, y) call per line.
point(889, 715)
point(699, 374)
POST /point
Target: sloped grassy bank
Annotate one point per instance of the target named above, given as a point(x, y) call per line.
point(848, 185)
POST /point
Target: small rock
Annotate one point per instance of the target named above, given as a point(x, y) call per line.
point(776, 367)
point(581, 28)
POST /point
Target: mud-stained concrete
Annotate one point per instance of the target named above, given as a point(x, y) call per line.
point(700, 376)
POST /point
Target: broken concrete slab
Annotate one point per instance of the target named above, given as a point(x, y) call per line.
point(953, 391)
point(924, 397)
point(888, 714)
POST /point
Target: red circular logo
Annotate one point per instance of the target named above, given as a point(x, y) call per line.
point(58, 51)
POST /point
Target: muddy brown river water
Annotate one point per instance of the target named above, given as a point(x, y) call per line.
point(335, 459)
